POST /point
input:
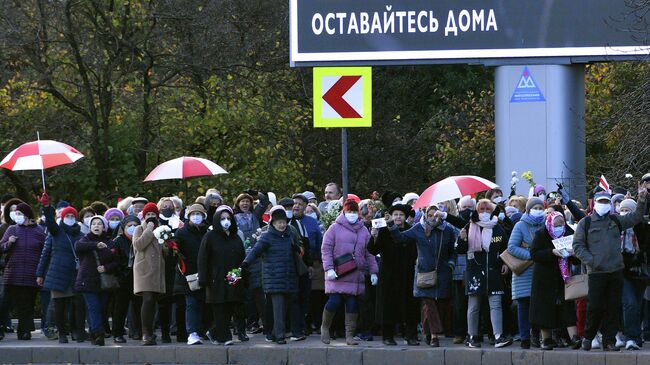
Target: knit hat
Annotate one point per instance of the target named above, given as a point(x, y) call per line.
point(112, 213)
point(538, 189)
point(241, 197)
point(629, 204)
point(62, 204)
point(408, 197)
point(130, 218)
point(26, 210)
point(150, 208)
point(197, 208)
point(69, 210)
point(100, 217)
point(532, 202)
point(278, 212)
point(350, 206)
point(617, 198)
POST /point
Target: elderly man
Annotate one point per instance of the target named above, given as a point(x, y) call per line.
point(332, 192)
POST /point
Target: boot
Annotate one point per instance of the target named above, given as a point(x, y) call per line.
point(99, 338)
point(350, 327)
point(328, 317)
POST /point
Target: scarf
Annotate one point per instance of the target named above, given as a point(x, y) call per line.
point(549, 224)
point(563, 263)
point(480, 239)
point(629, 242)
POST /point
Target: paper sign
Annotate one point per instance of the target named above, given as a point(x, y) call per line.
point(378, 223)
point(564, 243)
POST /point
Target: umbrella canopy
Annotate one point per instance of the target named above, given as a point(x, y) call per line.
point(40, 155)
point(184, 167)
point(453, 187)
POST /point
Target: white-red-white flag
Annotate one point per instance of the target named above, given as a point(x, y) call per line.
point(604, 184)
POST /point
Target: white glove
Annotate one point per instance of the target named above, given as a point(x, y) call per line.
point(331, 274)
point(374, 279)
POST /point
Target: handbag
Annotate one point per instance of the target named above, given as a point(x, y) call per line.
point(193, 281)
point(108, 282)
point(515, 264)
point(425, 280)
point(577, 287)
point(346, 263)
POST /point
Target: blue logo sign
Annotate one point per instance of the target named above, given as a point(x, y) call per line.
point(527, 90)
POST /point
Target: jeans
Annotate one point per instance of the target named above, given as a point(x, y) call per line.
point(633, 291)
point(496, 315)
point(194, 311)
point(604, 305)
point(95, 306)
point(523, 307)
point(460, 308)
point(335, 300)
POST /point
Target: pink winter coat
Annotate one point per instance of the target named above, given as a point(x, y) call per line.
point(339, 240)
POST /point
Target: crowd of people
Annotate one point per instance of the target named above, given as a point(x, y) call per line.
point(474, 270)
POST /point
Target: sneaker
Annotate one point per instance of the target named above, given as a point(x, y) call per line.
point(229, 343)
point(502, 341)
point(269, 338)
point(193, 339)
point(242, 337)
point(118, 339)
point(473, 343)
point(211, 338)
point(547, 344)
point(586, 344)
point(297, 338)
point(631, 345)
point(620, 343)
point(389, 341)
point(595, 343)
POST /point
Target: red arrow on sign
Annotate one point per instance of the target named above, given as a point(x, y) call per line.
point(334, 97)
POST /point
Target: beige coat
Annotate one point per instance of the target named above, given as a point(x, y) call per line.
point(149, 265)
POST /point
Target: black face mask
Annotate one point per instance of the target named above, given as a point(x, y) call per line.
point(466, 214)
point(167, 212)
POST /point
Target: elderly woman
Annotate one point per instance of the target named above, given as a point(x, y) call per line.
point(519, 246)
point(148, 270)
point(483, 240)
point(347, 235)
point(548, 309)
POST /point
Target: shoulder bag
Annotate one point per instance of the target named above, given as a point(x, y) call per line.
point(577, 287)
point(108, 281)
point(515, 264)
point(346, 263)
point(76, 258)
point(425, 280)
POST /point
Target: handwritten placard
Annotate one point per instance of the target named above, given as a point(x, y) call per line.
point(564, 243)
point(378, 223)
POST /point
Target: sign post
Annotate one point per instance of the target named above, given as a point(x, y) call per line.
point(343, 99)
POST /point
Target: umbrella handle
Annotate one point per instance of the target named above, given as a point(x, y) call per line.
point(38, 137)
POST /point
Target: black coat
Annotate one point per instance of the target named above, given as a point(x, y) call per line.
point(483, 273)
point(547, 292)
point(218, 254)
point(123, 254)
point(395, 301)
point(188, 240)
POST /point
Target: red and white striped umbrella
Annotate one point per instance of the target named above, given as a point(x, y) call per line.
point(40, 155)
point(453, 187)
point(184, 167)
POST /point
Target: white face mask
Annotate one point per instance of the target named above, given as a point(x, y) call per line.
point(484, 217)
point(313, 215)
point(87, 221)
point(225, 223)
point(12, 215)
point(602, 208)
point(352, 217)
point(536, 213)
point(196, 219)
point(69, 221)
point(624, 213)
point(19, 219)
point(289, 213)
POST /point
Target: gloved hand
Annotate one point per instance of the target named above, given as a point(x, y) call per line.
point(44, 199)
point(502, 216)
point(331, 274)
point(374, 279)
point(565, 196)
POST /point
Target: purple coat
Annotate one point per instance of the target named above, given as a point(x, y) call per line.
point(23, 255)
point(339, 240)
point(88, 278)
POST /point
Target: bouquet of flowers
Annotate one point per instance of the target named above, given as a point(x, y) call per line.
point(329, 217)
point(528, 175)
point(163, 234)
point(233, 276)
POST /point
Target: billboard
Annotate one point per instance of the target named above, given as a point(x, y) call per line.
point(338, 32)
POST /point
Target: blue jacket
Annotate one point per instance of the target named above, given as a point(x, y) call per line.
point(519, 246)
point(442, 237)
point(278, 252)
point(57, 264)
point(315, 236)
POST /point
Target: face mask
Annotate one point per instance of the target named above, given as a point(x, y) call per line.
point(130, 230)
point(225, 223)
point(558, 231)
point(624, 213)
point(352, 217)
point(69, 221)
point(289, 213)
point(113, 224)
point(498, 199)
point(19, 219)
point(442, 207)
point(197, 219)
point(502, 216)
point(313, 215)
point(602, 208)
point(543, 197)
point(167, 212)
point(536, 213)
point(466, 214)
point(484, 217)
point(12, 215)
point(87, 221)
point(511, 210)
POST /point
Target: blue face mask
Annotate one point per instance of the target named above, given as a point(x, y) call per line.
point(130, 230)
point(558, 231)
point(113, 224)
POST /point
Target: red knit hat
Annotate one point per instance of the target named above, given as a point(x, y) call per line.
point(351, 206)
point(149, 208)
point(69, 210)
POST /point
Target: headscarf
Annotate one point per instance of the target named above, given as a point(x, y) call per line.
point(549, 224)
